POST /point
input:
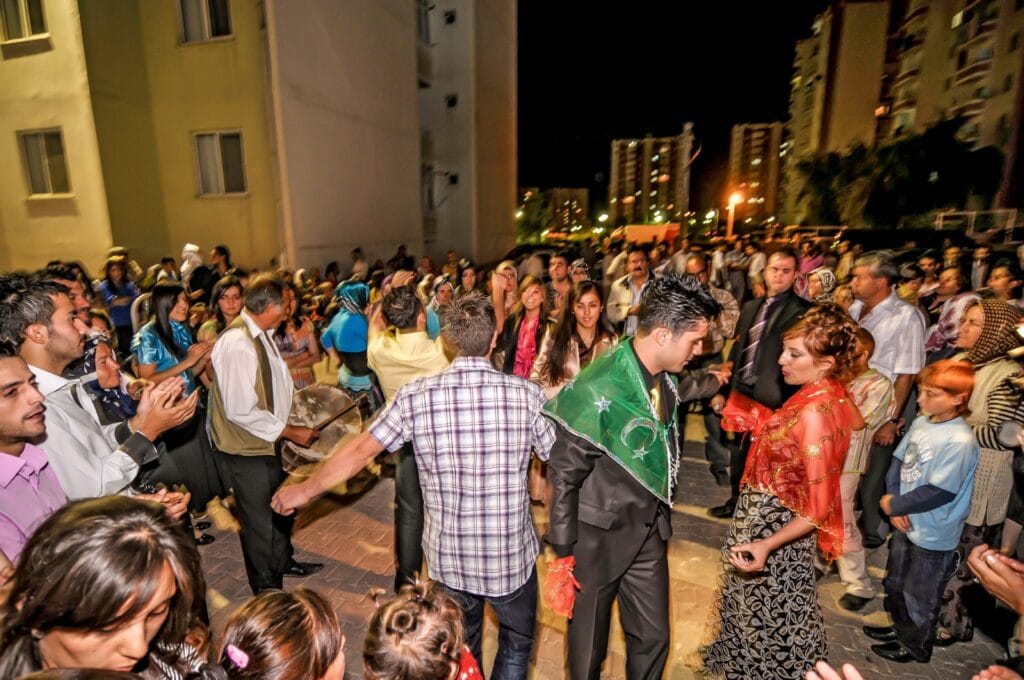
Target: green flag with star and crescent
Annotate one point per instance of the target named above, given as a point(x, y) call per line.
point(609, 406)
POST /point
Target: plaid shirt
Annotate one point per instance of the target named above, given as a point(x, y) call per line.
point(472, 429)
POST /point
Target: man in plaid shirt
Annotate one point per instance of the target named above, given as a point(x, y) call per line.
point(472, 429)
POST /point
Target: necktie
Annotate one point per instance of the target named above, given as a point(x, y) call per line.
point(753, 340)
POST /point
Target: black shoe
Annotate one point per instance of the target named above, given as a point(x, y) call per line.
point(723, 511)
point(881, 633)
point(205, 539)
point(853, 603)
point(818, 574)
point(944, 640)
point(303, 568)
point(721, 477)
point(203, 525)
point(871, 543)
point(893, 651)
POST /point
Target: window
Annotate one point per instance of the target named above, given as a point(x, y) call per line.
point(204, 19)
point(21, 18)
point(43, 154)
point(221, 165)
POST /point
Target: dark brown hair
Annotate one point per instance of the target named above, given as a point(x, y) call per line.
point(828, 332)
point(415, 636)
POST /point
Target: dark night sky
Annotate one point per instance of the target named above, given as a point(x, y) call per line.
point(592, 72)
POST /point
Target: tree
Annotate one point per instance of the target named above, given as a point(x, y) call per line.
point(534, 216)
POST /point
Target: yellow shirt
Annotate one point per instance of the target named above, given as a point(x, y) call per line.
point(400, 358)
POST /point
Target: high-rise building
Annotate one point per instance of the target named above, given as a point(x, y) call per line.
point(650, 178)
point(152, 124)
point(570, 207)
point(836, 86)
point(960, 58)
point(754, 169)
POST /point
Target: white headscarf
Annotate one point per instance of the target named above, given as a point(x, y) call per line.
point(190, 260)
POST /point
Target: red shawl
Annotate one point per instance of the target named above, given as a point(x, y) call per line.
point(797, 456)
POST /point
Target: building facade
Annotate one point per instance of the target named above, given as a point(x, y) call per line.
point(754, 169)
point(649, 180)
point(570, 207)
point(264, 126)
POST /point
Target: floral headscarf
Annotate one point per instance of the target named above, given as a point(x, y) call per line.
point(997, 334)
point(828, 284)
point(115, 400)
point(944, 332)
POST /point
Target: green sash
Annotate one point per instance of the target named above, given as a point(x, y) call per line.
point(608, 405)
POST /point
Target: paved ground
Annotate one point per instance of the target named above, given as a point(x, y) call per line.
point(354, 537)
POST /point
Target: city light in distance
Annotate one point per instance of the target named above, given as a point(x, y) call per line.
point(519, 214)
point(735, 198)
point(603, 217)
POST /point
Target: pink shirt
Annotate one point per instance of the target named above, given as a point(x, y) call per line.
point(29, 493)
point(526, 348)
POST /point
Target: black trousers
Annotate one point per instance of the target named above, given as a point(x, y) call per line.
point(408, 518)
point(872, 488)
point(643, 611)
point(266, 536)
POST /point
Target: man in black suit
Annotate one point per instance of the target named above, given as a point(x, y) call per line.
point(755, 354)
point(613, 470)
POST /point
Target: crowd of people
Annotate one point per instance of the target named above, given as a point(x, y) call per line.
point(851, 399)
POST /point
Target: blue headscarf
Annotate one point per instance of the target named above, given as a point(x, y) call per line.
point(353, 296)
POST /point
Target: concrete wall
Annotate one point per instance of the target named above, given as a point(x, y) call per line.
point(119, 86)
point(345, 117)
point(214, 85)
point(43, 84)
point(859, 60)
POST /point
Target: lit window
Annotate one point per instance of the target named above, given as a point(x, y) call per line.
point(204, 19)
point(755, 161)
point(22, 18)
point(43, 154)
point(221, 165)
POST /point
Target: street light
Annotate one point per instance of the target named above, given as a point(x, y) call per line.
point(734, 198)
point(603, 217)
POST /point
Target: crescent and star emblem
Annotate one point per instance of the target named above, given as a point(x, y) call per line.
point(639, 424)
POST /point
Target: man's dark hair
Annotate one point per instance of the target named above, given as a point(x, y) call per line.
point(678, 303)
point(57, 271)
point(468, 324)
point(637, 248)
point(25, 300)
point(167, 259)
point(785, 251)
point(400, 307)
point(263, 291)
point(565, 254)
point(702, 257)
point(224, 252)
point(1011, 267)
point(8, 349)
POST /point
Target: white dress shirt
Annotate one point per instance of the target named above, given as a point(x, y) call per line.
point(898, 330)
point(87, 458)
point(234, 366)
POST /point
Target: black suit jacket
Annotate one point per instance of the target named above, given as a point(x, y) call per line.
point(599, 513)
point(769, 388)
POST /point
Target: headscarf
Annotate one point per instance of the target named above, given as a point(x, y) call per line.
point(944, 332)
point(114, 399)
point(353, 296)
point(828, 284)
point(997, 334)
point(439, 283)
point(190, 261)
point(580, 265)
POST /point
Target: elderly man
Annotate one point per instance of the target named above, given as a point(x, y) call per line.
point(624, 297)
point(898, 329)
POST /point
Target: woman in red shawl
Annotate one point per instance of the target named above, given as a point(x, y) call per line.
point(770, 623)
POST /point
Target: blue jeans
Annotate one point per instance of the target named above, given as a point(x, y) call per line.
point(913, 592)
point(517, 616)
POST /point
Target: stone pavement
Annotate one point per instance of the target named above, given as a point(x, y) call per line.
point(353, 536)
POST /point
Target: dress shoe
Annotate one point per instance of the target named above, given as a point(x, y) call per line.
point(724, 511)
point(204, 539)
point(203, 525)
point(944, 639)
point(853, 603)
point(893, 651)
point(721, 477)
point(881, 633)
point(303, 568)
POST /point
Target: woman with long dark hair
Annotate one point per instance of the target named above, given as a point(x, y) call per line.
point(769, 623)
point(524, 328)
point(96, 579)
point(296, 340)
point(226, 303)
point(580, 335)
point(119, 293)
point(163, 349)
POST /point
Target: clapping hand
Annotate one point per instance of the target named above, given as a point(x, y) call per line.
point(822, 671)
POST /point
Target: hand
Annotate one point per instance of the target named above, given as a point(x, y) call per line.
point(289, 498)
point(999, 575)
point(162, 413)
point(137, 386)
point(886, 434)
point(996, 672)
point(404, 277)
point(197, 352)
point(758, 556)
point(717, 403)
point(886, 504)
point(303, 436)
point(175, 503)
point(561, 586)
point(901, 523)
point(822, 671)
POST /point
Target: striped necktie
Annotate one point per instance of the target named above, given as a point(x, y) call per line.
point(753, 340)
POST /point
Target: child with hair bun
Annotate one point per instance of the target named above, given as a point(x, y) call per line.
point(280, 635)
point(417, 635)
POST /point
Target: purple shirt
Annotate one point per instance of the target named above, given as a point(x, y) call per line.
point(29, 493)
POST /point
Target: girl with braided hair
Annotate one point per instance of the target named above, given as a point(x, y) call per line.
point(418, 635)
point(770, 622)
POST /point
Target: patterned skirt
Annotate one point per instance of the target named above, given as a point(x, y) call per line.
point(769, 625)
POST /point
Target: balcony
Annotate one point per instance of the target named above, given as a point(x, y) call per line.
point(914, 13)
point(969, 109)
point(904, 76)
point(903, 104)
point(973, 71)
